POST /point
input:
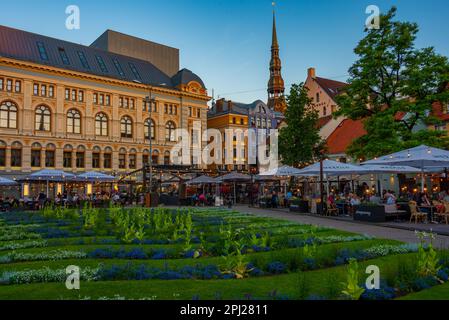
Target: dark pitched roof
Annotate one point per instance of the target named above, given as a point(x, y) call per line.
point(185, 76)
point(236, 108)
point(332, 87)
point(22, 45)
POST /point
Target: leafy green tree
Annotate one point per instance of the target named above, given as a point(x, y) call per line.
point(392, 78)
point(299, 141)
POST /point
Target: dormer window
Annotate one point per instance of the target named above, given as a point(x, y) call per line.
point(135, 72)
point(118, 67)
point(42, 51)
point(101, 64)
point(64, 57)
point(83, 60)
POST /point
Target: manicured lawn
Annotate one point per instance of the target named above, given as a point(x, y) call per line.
point(440, 292)
point(198, 254)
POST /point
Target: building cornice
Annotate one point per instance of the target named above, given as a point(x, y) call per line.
point(90, 77)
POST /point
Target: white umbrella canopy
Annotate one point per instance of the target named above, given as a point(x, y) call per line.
point(94, 176)
point(50, 175)
point(377, 168)
point(201, 180)
point(330, 168)
point(6, 182)
point(421, 157)
point(284, 171)
point(233, 177)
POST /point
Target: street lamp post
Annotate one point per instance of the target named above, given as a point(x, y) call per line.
point(150, 101)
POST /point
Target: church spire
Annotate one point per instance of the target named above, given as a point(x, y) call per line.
point(274, 42)
point(276, 87)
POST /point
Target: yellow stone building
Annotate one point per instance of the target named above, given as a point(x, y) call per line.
point(79, 108)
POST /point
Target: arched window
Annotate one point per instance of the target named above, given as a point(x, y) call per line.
point(50, 155)
point(132, 159)
point(8, 115)
point(43, 119)
point(101, 125)
point(167, 158)
point(73, 121)
point(107, 158)
point(36, 150)
point(155, 157)
point(122, 159)
point(145, 157)
point(2, 153)
point(150, 129)
point(80, 157)
point(317, 97)
point(324, 111)
point(170, 131)
point(126, 127)
point(67, 156)
point(96, 157)
point(16, 154)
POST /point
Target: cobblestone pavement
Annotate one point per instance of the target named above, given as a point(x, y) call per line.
point(378, 231)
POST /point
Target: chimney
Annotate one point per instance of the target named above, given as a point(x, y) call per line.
point(230, 105)
point(219, 105)
point(311, 73)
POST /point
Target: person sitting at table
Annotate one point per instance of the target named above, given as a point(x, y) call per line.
point(425, 199)
point(390, 198)
point(354, 201)
point(445, 196)
point(331, 198)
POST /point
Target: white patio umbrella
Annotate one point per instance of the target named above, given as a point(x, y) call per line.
point(201, 180)
point(94, 176)
point(49, 175)
point(379, 169)
point(284, 171)
point(233, 177)
point(330, 168)
point(422, 157)
point(6, 182)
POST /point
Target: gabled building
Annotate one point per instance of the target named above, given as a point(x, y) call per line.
point(338, 132)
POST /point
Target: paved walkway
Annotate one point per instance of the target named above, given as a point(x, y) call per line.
point(378, 231)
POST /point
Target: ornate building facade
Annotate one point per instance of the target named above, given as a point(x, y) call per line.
point(80, 108)
point(229, 115)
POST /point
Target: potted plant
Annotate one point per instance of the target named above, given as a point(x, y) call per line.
point(371, 212)
point(299, 205)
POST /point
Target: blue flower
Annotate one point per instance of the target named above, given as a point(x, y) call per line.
point(424, 283)
point(309, 263)
point(276, 267)
point(316, 297)
point(159, 255)
point(383, 293)
point(443, 274)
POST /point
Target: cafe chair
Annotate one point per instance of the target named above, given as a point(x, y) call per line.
point(444, 216)
point(331, 209)
point(415, 213)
